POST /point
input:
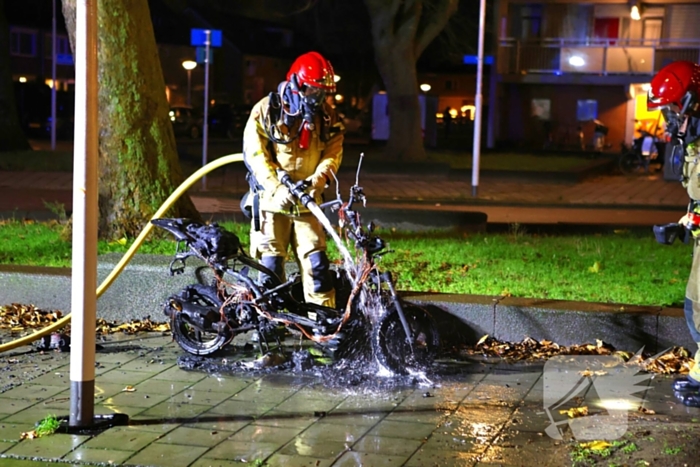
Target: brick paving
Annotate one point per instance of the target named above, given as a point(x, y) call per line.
point(31, 190)
point(468, 413)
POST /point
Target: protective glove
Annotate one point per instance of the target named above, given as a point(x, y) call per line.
point(684, 221)
point(317, 183)
point(282, 199)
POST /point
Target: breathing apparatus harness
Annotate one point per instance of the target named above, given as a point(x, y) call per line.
point(290, 103)
point(684, 162)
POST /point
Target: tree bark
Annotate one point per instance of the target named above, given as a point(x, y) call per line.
point(401, 30)
point(138, 162)
point(12, 137)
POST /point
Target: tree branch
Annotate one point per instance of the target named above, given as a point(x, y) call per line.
point(434, 21)
point(383, 18)
point(407, 20)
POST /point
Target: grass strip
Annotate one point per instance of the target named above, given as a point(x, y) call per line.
point(620, 266)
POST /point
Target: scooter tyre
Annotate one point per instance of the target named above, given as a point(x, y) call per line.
point(188, 337)
point(391, 347)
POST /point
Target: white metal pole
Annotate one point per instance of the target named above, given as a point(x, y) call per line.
point(53, 79)
point(205, 132)
point(476, 152)
point(84, 260)
point(189, 87)
point(493, 78)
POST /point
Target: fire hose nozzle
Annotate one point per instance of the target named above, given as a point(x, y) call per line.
point(298, 189)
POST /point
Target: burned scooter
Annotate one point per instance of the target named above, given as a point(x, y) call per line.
point(204, 318)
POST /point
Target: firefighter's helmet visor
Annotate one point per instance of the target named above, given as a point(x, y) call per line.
point(314, 96)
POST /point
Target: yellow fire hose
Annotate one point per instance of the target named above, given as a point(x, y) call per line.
point(191, 180)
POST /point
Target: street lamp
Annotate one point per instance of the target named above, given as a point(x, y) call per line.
point(425, 87)
point(636, 11)
point(189, 65)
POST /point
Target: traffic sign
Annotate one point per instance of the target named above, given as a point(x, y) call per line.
point(201, 55)
point(474, 59)
point(198, 37)
point(64, 59)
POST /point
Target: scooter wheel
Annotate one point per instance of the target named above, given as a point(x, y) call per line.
point(193, 339)
point(393, 350)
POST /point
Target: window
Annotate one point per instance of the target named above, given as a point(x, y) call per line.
point(586, 110)
point(606, 28)
point(62, 45)
point(652, 29)
point(541, 108)
point(251, 67)
point(23, 42)
point(530, 22)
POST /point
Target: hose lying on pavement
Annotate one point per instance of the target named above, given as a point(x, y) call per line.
point(184, 186)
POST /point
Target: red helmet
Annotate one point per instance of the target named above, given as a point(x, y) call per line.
point(311, 69)
point(676, 84)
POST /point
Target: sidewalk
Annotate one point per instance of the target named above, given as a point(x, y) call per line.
point(466, 413)
point(610, 199)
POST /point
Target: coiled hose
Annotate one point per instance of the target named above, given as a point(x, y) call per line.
point(184, 186)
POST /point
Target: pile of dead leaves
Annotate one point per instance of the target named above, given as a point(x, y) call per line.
point(676, 360)
point(18, 318)
point(132, 327)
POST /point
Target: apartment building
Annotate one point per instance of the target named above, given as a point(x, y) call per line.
point(563, 64)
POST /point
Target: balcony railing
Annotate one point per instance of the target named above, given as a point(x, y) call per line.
point(594, 56)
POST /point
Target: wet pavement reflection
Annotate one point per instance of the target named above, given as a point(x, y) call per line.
point(225, 411)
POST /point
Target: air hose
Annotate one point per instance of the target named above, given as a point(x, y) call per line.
point(184, 186)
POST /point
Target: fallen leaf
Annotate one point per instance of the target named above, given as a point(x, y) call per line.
point(129, 389)
point(28, 435)
point(596, 445)
point(482, 340)
point(575, 412)
point(595, 268)
point(645, 411)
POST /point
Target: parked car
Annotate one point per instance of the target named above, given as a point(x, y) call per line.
point(227, 120)
point(355, 120)
point(185, 121)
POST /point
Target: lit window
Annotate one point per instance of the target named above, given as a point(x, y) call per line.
point(586, 110)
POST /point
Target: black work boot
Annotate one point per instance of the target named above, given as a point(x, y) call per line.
point(686, 384)
point(276, 265)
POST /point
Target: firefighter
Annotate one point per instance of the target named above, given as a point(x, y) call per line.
point(297, 131)
point(675, 91)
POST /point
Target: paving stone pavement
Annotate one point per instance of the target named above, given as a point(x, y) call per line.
point(603, 199)
point(477, 414)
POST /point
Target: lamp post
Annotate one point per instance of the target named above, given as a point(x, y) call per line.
point(189, 65)
point(476, 151)
point(53, 78)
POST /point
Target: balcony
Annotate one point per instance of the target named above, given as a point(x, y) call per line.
point(592, 57)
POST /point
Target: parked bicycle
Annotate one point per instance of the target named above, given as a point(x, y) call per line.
point(645, 151)
point(206, 317)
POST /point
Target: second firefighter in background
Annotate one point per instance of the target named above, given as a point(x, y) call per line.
point(297, 131)
point(675, 91)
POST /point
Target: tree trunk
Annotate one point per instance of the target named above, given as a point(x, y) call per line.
point(398, 71)
point(12, 137)
point(401, 30)
point(138, 162)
